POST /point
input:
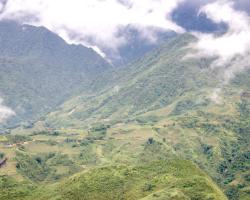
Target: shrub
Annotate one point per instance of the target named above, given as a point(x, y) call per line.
point(207, 149)
point(148, 187)
point(232, 193)
point(2, 155)
point(150, 140)
point(247, 177)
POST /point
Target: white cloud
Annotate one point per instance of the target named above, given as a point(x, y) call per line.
point(5, 112)
point(81, 20)
point(232, 48)
point(95, 23)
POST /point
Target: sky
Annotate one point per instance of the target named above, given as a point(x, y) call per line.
point(96, 23)
point(221, 26)
point(96, 20)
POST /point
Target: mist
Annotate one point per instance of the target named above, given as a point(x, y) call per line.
point(5, 112)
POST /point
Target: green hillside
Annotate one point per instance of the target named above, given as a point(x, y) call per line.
point(168, 97)
point(174, 179)
point(130, 134)
point(39, 70)
point(151, 83)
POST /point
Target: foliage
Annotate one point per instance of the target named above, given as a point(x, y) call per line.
point(34, 168)
point(148, 84)
point(159, 108)
point(120, 182)
point(34, 69)
point(15, 139)
point(11, 189)
point(2, 155)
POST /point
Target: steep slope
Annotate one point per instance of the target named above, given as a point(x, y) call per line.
point(152, 82)
point(174, 179)
point(167, 97)
point(39, 70)
point(157, 108)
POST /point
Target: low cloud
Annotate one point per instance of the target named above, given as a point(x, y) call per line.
point(93, 22)
point(232, 49)
point(5, 112)
point(2, 5)
point(98, 23)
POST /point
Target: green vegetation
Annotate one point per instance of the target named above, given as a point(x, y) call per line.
point(133, 133)
point(45, 167)
point(33, 71)
point(175, 178)
point(120, 182)
point(15, 139)
point(2, 155)
point(11, 189)
point(33, 168)
point(150, 83)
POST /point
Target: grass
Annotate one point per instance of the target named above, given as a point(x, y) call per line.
point(3, 138)
point(121, 182)
point(162, 111)
point(199, 135)
point(156, 180)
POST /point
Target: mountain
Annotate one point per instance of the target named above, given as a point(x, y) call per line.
point(169, 97)
point(39, 70)
point(152, 129)
point(138, 42)
point(150, 83)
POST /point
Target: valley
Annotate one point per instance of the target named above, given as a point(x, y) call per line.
point(45, 155)
point(149, 130)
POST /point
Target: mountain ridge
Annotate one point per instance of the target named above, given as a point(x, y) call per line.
point(109, 123)
point(38, 64)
